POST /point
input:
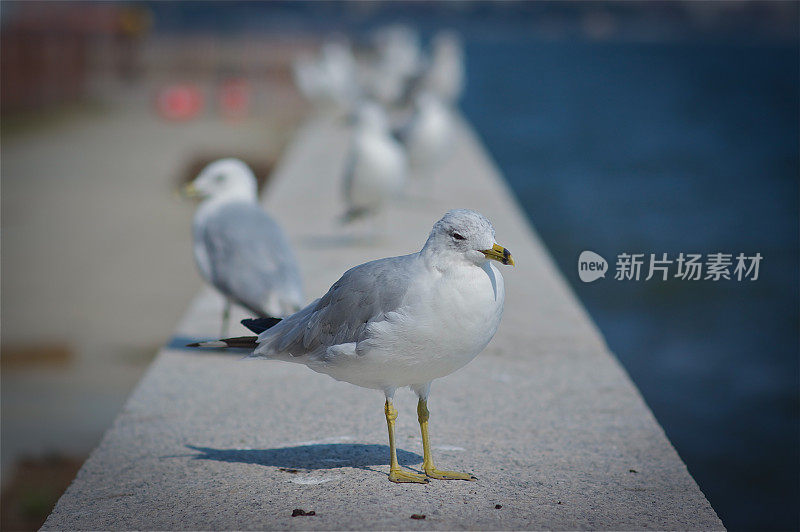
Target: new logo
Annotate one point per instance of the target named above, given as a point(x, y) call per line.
point(591, 266)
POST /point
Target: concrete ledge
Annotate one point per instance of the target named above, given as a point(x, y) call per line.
point(546, 418)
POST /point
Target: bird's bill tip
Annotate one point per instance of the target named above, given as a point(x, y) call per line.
point(189, 191)
point(500, 254)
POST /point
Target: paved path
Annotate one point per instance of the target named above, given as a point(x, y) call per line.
point(545, 418)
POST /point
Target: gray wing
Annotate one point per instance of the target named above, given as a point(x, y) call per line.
point(364, 294)
point(251, 260)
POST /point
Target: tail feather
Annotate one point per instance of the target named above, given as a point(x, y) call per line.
point(246, 342)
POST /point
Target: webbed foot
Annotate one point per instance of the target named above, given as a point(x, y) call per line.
point(439, 474)
point(400, 476)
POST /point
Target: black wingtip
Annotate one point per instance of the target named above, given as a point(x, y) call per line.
point(245, 342)
point(217, 344)
point(259, 325)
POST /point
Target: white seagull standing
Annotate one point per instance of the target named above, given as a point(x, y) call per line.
point(239, 248)
point(444, 75)
point(428, 136)
point(399, 321)
point(376, 168)
point(328, 80)
point(399, 59)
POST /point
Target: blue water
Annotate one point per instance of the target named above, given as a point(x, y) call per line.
point(651, 148)
point(680, 134)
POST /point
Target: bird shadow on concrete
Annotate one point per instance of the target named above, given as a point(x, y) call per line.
point(308, 457)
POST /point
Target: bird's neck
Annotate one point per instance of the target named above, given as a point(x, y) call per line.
point(445, 260)
point(236, 194)
point(211, 205)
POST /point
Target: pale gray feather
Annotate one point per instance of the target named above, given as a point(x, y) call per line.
point(250, 257)
point(364, 294)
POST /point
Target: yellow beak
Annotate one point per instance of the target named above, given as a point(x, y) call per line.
point(189, 191)
point(500, 254)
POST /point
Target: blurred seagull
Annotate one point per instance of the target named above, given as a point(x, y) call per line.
point(428, 135)
point(329, 80)
point(400, 321)
point(399, 60)
point(399, 49)
point(376, 168)
point(238, 247)
point(444, 75)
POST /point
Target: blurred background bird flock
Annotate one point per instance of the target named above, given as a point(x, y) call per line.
point(400, 99)
point(397, 94)
point(615, 124)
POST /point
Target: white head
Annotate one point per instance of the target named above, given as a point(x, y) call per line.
point(399, 49)
point(226, 179)
point(336, 53)
point(447, 44)
point(370, 116)
point(466, 235)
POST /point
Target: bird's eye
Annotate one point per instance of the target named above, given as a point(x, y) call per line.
point(457, 236)
point(220, 178)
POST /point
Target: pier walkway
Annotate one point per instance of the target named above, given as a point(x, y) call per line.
point(545, 417)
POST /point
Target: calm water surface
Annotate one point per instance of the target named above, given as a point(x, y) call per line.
point(654, 148)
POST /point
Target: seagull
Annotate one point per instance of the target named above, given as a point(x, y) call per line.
point(376, 168)
point(399, 322)
point(428, 135)
point(444, 75)
point(399, 49)
point(239, 248)
point(398, 61)
point(328, 80)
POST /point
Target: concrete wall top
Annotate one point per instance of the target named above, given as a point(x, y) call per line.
point(546, 418)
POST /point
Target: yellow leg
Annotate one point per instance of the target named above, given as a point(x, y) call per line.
point(396, 474)
point(427, 463)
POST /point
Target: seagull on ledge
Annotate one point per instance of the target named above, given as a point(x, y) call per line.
point(376, 167)
point(399, 321)
point(238, 247)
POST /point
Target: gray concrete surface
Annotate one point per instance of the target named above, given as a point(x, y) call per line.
point(546, 418)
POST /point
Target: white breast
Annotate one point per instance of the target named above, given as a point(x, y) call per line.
point(468, 308)
point(379, 170)
point(202, 216)
point(430, 138)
